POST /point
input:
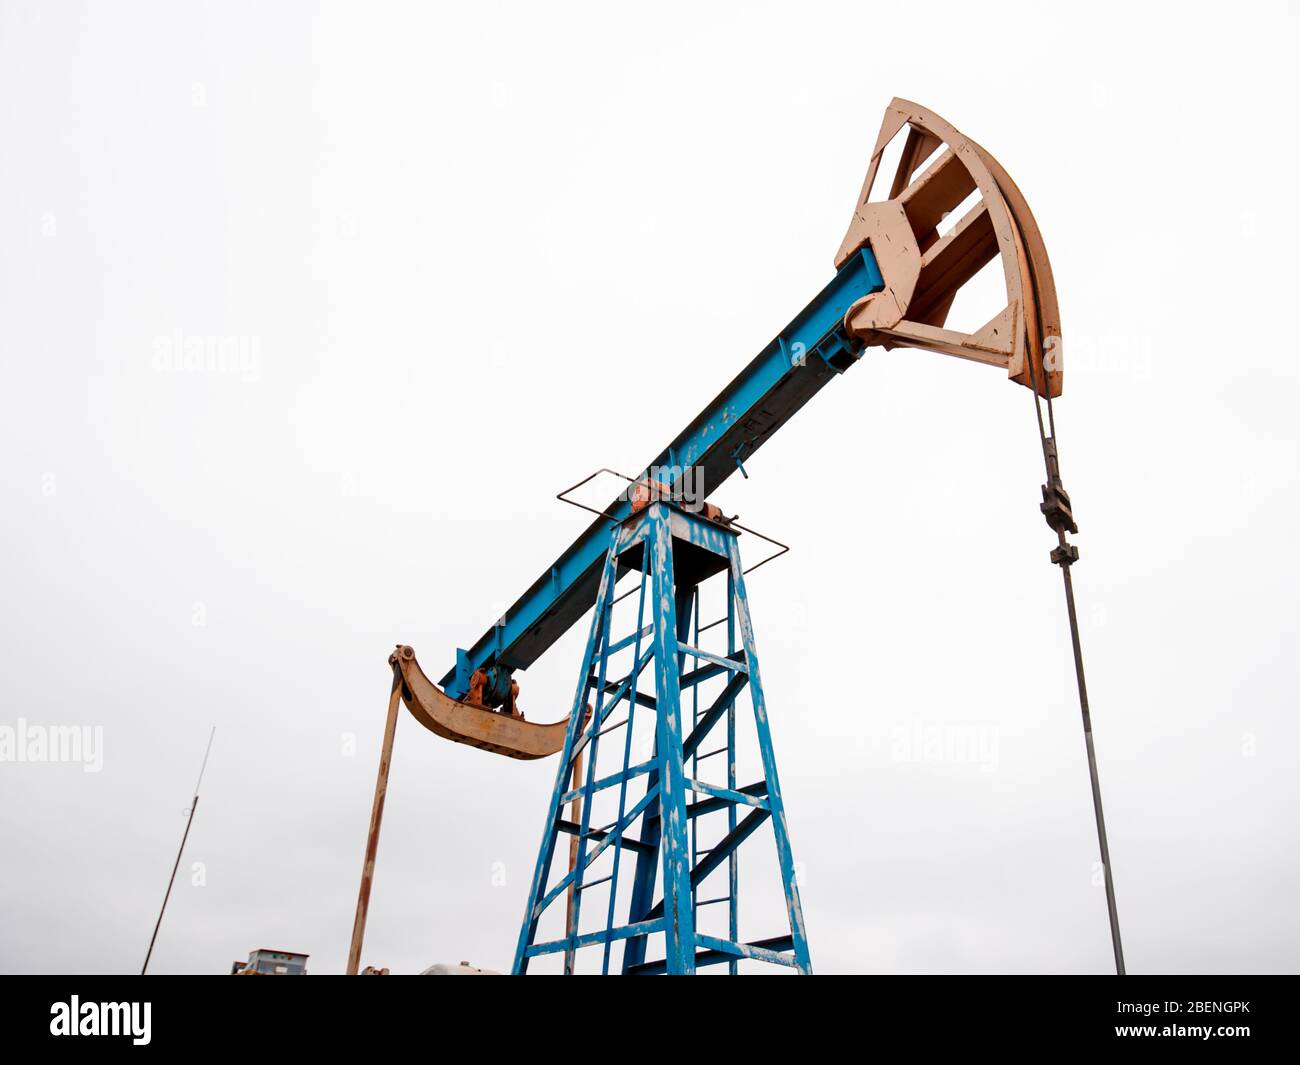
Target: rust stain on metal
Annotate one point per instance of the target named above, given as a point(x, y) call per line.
point(924, 269)
point(472, 725)
point(372, 838)
point(575, 815)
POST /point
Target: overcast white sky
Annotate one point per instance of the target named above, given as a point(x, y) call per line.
point(476, 252)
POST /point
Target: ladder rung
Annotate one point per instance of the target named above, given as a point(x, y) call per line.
point(710, 625)
point(710, 902)
point(583, 887)
point(720, 750)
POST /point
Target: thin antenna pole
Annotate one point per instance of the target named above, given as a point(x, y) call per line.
point(189, 821)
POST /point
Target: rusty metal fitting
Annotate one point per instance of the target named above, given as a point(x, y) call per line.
point(1065, 555)
point(1056, 507)
point(643, 493)
point(493, 689)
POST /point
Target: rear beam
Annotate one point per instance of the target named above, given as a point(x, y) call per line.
point(793, 368)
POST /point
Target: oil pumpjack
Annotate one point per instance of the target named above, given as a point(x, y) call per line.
point(648, 756)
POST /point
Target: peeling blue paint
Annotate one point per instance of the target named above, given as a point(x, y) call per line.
point(667, 844)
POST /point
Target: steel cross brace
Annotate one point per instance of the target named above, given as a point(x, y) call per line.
point(674, 551)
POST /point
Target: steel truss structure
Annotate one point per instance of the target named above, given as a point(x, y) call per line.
point(667, 830)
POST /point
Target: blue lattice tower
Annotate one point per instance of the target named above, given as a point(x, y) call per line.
point(660, 744)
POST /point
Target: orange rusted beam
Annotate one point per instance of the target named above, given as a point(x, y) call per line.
point(465, 723)
point(372, 839)
point(575, 815)
point(924, 270)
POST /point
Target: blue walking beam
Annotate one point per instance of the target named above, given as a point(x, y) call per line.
point(811, 351)
point(657, 697)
